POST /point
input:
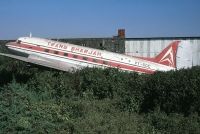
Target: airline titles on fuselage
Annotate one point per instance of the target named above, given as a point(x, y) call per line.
point(75, 49)
point(90, 52)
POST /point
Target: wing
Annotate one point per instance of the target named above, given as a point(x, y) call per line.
point(42, 61)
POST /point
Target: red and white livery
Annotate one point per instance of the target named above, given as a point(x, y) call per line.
point(66, 56)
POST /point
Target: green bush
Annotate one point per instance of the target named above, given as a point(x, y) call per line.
point(174, 123)
point(35, 99)
point(23, 111)
point(174, 91)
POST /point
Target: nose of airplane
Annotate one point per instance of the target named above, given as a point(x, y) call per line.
point(9, 44)
point(6, 47)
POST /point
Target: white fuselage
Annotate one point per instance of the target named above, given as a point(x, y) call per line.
point(78, 56)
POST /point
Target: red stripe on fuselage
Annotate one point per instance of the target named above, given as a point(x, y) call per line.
point(91, 56)
point(79, 57)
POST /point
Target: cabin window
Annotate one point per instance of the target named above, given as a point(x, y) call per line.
point(95, 60)
point(85, 58)
point(46, 50)
point(65, 54)
point(105, 62)
point(75, 56)
point(55, 52)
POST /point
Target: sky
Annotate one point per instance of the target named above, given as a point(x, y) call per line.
point(99, 18)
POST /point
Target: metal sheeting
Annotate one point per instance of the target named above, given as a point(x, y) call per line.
point(145, 48)
point(184, 55)
point(152, 47)
point(196, 54)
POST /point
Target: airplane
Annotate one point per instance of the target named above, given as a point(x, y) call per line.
point(67, 57)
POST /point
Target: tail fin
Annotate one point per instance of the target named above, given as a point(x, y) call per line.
point(168, 55)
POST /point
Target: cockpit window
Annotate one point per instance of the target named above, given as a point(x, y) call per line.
point(19, 41)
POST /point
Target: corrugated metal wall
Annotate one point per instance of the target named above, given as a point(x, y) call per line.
point(150, 47)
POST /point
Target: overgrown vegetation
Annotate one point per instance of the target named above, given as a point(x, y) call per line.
point(40, 100)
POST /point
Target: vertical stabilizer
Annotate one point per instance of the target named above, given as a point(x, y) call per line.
point(168, 55)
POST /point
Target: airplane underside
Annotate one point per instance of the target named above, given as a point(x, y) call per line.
point(51, 61)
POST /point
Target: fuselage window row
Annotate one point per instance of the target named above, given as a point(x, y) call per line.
point(76, 56)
